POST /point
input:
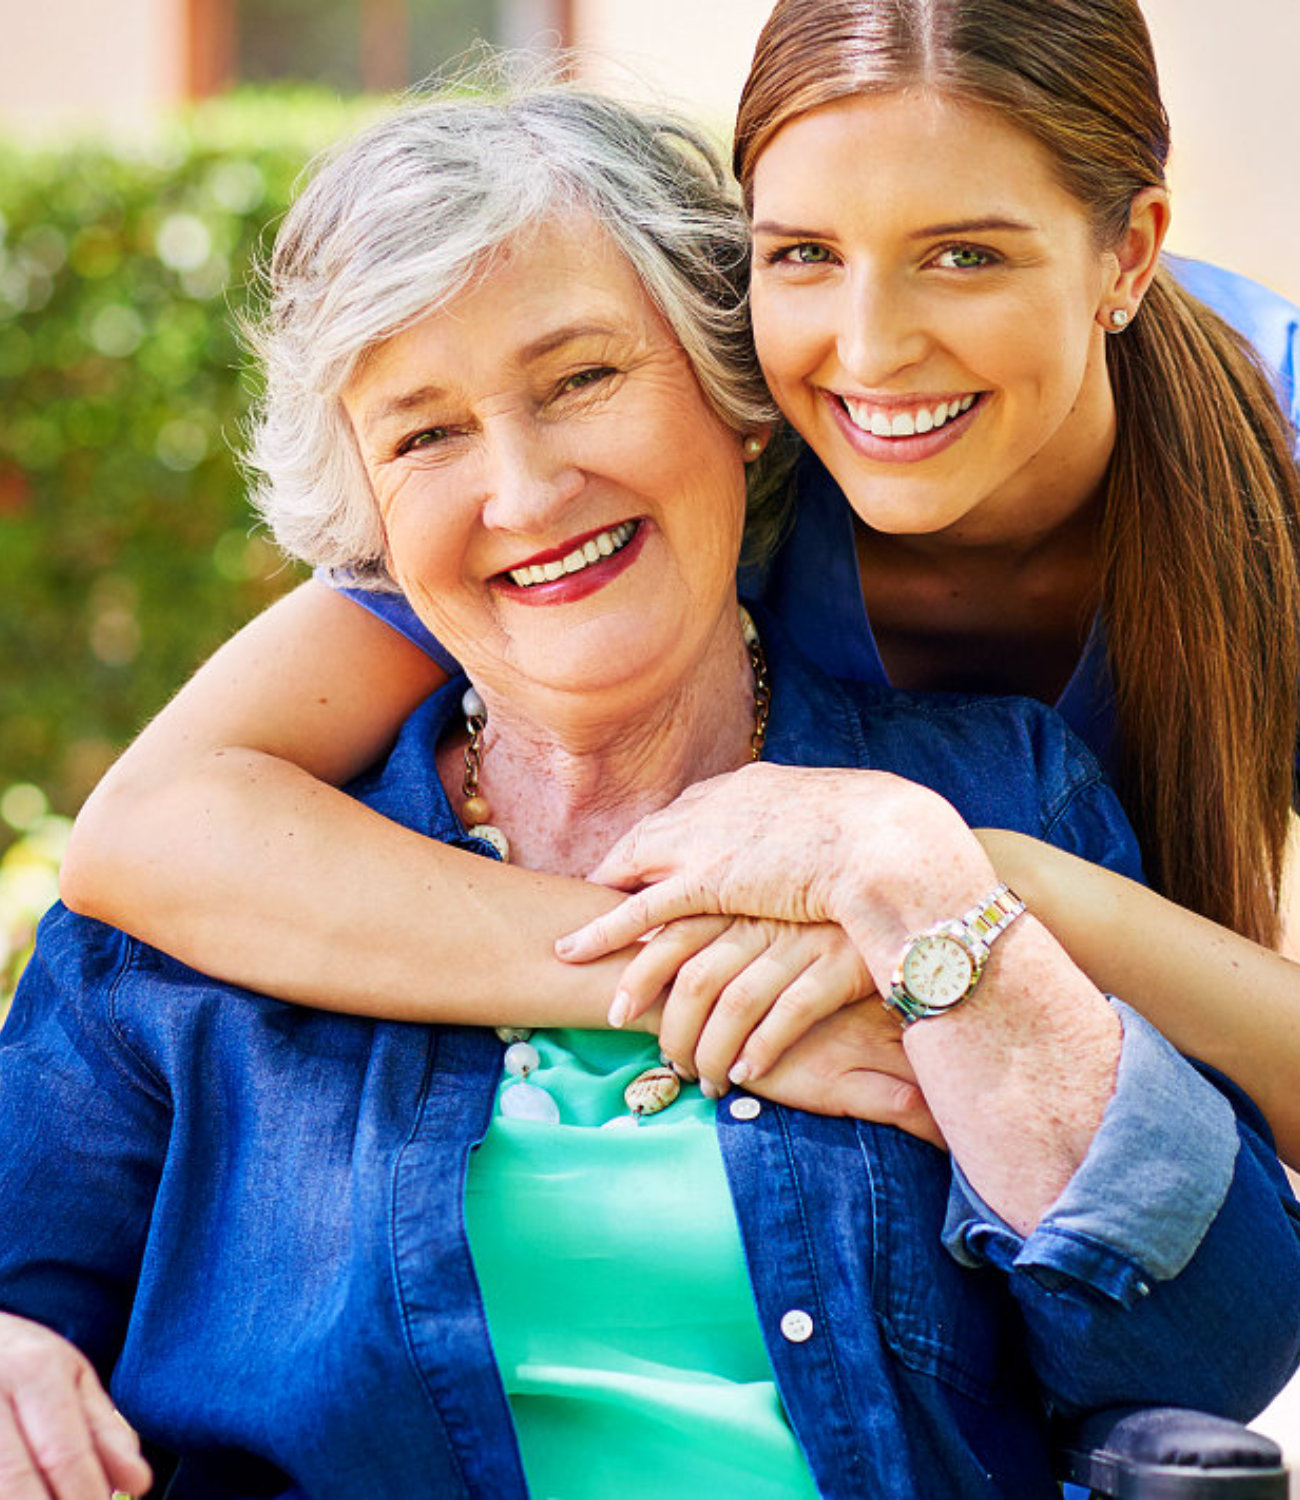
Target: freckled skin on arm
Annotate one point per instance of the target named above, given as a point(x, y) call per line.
point(219, 838)
point(1216, 995)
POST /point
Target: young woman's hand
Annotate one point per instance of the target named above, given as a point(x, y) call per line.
point(59, 1433)
point(786, 1009)
point(852, 1063)
point(737, 992)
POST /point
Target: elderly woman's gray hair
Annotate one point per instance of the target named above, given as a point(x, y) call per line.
point(399, 221)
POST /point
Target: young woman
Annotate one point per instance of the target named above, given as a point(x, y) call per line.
point(1063, 476)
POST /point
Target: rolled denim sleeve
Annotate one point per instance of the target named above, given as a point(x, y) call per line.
point(1168, 1270)
point(1156, 1174)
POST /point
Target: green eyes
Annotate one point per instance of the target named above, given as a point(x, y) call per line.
point(951, 258)
point(809, 255)
point(586, 377)
point(962, 258)
point(426, 439)
point(801, 255)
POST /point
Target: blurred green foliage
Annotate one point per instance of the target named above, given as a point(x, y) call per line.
point(127, 550)
point(29, 877)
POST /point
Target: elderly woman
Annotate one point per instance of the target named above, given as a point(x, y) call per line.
point(328, 1256)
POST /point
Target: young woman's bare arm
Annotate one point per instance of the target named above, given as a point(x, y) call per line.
point(219, 837)
point(1216, 995)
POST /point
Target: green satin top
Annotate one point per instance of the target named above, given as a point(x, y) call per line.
point(616, 1293)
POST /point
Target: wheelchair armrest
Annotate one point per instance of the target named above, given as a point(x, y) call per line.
point(1168, 1453)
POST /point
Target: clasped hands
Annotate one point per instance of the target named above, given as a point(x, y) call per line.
point(742, 894)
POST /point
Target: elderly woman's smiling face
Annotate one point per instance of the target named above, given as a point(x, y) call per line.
point(561, 505)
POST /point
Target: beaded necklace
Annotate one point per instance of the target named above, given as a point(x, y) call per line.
point(655, 1088)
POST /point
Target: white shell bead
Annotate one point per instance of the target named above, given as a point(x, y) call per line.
point(525, 1101)
point(651, 1091)
point(472, 705)
point(491, 835)
point(522, 1058)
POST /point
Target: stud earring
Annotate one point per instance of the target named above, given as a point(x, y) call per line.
point(753, 445)
point(1119, 317)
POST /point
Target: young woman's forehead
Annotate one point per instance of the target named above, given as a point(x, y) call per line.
point(885, 156)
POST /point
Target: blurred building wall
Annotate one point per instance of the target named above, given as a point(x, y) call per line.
point(1229, 75)
point(89, 64)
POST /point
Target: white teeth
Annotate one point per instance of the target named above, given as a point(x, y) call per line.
point(604, 544)
point(882, 423)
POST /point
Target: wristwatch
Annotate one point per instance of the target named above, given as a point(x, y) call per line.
point(939, 967)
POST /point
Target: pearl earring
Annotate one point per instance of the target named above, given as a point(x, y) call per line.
point(753, 445)
point(1119, 317)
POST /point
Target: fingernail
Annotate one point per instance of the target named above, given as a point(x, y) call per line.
point(564, 946)
point(619, 1009)
point(708, 1090)
point(740, 1072)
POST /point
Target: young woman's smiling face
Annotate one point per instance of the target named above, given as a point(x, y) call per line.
point(927, 302)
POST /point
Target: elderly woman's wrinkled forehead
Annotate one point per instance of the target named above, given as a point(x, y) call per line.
point(580, 262)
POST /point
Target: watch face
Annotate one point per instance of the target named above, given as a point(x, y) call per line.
point(937, 970)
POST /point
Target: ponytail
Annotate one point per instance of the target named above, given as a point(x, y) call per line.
point(1201, 600)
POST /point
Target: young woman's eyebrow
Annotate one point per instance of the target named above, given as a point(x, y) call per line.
point(790, 231)
point(992, 224)
point(930, 231)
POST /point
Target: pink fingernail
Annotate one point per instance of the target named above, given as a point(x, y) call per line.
point(740, 1073)
point(619, 1009)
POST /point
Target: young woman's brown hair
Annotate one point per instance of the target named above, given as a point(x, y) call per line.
point(1200, 574)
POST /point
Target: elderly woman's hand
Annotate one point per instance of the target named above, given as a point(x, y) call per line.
point(869, 850)
point(59, 1433)
point(852, 1063)
point(738, 992)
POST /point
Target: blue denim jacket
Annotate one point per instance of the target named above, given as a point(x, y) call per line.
point(250, 1213)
